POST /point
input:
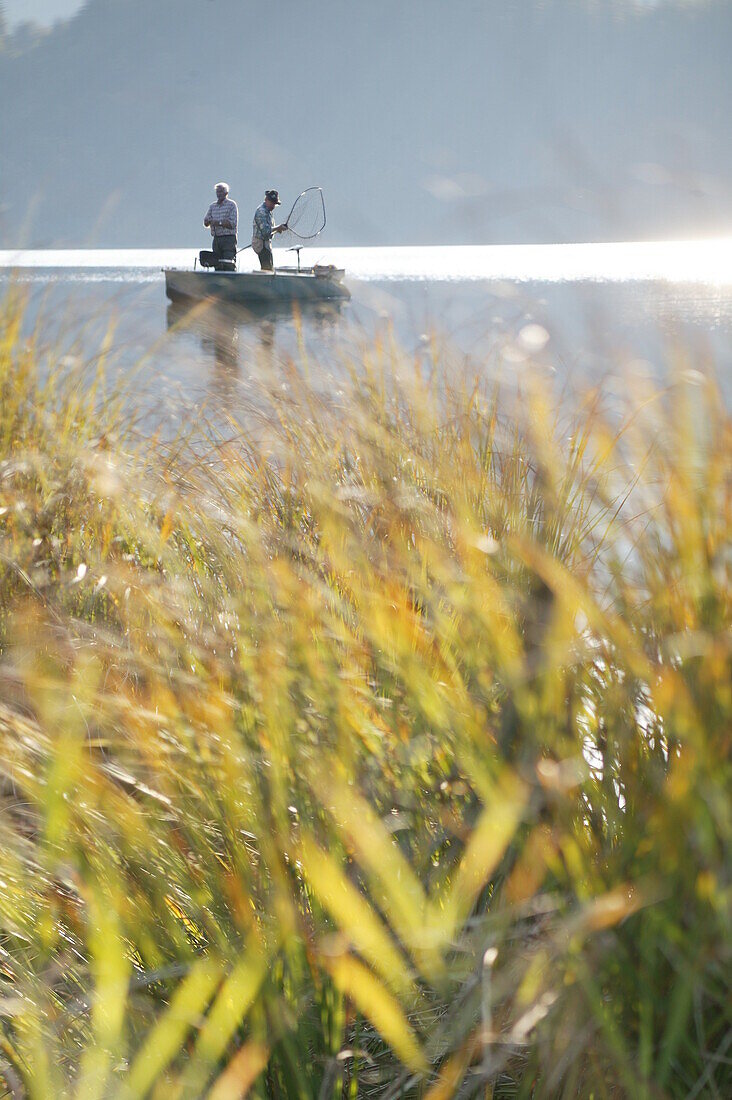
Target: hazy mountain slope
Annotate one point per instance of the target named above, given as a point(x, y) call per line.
point(44, 12)
point(425, 120)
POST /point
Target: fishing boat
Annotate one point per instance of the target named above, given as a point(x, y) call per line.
point(219, 280)
point(287, 284)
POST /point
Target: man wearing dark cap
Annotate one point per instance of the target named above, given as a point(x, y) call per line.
point(264, 228)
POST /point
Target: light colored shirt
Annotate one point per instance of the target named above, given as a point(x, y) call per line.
point(262, 228)
point(223, 211)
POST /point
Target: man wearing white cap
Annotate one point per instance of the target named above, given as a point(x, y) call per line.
point(222, 218)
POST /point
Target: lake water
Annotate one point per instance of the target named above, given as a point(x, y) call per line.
point(581, 312)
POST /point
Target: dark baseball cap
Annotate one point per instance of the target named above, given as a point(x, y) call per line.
point(273, 196)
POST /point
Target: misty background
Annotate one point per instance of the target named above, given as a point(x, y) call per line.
point(425, 121)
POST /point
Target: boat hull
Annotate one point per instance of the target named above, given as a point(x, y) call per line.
point(243, 287)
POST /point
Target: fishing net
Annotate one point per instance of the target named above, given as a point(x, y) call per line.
point(305, 221)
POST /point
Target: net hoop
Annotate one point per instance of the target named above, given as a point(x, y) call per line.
point(306, 219)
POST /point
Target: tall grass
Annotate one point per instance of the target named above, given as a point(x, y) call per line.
point(387, 756)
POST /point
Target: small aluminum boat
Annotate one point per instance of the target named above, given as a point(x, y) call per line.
point(286, 284)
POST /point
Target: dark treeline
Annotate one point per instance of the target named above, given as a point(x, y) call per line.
point(425, 121)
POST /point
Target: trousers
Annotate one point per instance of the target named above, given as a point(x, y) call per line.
point(224, 247)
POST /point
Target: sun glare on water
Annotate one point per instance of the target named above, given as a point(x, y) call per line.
point(701, 261)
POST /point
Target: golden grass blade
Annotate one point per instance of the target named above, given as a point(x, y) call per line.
point(375, 1002)
point(111, 972)
point(354, 917)
point(241, 1073)
point(392, 880)
point(453, 1071)
point(236, 996)
point(485, 847)
point(166, 1039)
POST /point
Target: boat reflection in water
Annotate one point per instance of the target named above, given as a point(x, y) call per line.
point(239, 344)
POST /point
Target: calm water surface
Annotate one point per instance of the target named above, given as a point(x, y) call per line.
point(582, 312)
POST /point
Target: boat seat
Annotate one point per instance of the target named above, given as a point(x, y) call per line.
point(207, 259)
